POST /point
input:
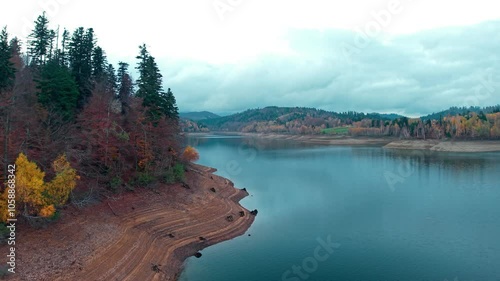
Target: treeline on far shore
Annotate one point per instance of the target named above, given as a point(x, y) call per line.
point(454, 123)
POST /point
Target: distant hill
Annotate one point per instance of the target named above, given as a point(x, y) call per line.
point(391, 116)
point(196, 116)
point(281, 116)
point(455, 123)
point(452, 111)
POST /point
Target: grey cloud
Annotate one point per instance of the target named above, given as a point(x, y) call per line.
point(411, 74)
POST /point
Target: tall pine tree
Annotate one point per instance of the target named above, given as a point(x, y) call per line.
point(150, 88)
point(171, 109)
point(111, 78)
point(99, 63)
point(63, 52)
point(7, 70)
point(58, 91)
point(39, 41)
point(125, 84)
point(80, 59)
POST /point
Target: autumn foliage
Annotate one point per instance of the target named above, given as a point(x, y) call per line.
point(58, 189)
point(30, 184)
point(190, 154)
point(454, 123)
point(34, 196)
point(65, 113)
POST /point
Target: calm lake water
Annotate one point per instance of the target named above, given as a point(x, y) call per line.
point(383, 214)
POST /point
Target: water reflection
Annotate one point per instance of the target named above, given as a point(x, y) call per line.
point(440, 219)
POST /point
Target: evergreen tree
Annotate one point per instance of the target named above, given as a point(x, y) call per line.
point(171, 110)
point(15, 49)
point(7, 70)
point(111, 78)
point(76, 50)
point(125, 85)
point(80, 60)
point(40, 40)
point(150, 88)
point(58, 91)
point(122, 70)
point(99, 63)
point(52, 49)
point(150, 79)
point(63, 52)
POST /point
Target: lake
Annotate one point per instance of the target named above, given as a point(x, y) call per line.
point(330, 213)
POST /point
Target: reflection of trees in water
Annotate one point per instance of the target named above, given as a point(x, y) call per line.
point(273, 144)
point(425, 158)
point(245, 142)
point(468, 171)
point(210, 140)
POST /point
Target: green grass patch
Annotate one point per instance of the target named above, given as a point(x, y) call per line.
point(174, 174)
point(144, 179)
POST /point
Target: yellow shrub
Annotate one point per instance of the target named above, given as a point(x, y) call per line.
point(4, 211)
point(60, 187)
point(36, 196)
point(29, 182)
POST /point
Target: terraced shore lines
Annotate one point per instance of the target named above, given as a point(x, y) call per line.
point(153, 232)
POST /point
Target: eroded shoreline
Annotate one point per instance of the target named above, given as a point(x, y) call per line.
point(471, 146)
point(143, 235)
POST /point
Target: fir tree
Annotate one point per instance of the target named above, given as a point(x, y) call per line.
point(39, 41)
point(150, 88)
point(171, 110)
point(111, 78)
point(125, 85)
point(58, 91)
point(63, 52)
point(80, 60)
point(99, 63)
point(7, 70)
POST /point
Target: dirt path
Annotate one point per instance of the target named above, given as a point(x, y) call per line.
point(124, 239)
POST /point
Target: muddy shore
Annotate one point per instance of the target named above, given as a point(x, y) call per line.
point(142, 235)
point(386, 142)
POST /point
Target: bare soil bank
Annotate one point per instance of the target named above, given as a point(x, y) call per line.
point(316, 139)
point(448, 146)
point(386, 142)
point(143, 235)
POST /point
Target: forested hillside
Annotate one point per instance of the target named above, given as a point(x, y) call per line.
point(195, 116)
point(464, 123)
point(78, 127)
point(454, 111)
point(288, 119)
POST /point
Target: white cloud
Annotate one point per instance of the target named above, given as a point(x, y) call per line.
point(424, 58)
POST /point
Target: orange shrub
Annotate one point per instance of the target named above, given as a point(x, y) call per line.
point(47, 211)
point(190, 154)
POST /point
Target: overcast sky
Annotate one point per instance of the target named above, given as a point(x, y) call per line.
point(409, 57)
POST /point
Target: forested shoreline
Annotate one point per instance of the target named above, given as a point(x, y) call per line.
point(456, 123)
point(79, 128)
